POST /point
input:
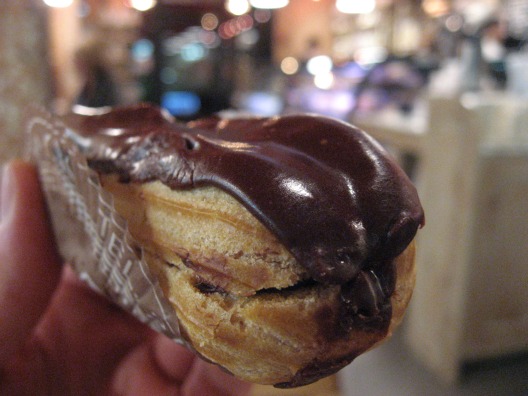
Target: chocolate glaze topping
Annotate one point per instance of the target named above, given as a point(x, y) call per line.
point(327, 190)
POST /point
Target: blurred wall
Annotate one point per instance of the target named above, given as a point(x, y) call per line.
point(24, 71)
point(64, 35)
point(303, 29)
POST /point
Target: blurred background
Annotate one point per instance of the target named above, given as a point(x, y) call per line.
point(443, 84)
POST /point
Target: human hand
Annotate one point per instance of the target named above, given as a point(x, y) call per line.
point(58, 337)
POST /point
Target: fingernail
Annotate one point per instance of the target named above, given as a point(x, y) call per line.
point(7, 193)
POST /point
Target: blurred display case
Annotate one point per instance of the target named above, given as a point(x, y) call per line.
point(201, 55)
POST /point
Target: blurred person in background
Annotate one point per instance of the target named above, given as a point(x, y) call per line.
point(98, 89)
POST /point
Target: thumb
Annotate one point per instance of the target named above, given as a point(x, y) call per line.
point(29, 263)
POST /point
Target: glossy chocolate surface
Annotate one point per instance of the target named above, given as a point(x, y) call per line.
point(327, 190)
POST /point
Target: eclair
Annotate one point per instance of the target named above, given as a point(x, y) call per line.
point(285, 245)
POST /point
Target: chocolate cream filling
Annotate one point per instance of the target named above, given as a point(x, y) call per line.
point(328, 191)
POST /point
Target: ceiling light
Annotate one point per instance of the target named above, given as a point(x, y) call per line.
point(356, 6)
point(142, 5)
point(237, 7)
point(58, 3)
point(269, 4)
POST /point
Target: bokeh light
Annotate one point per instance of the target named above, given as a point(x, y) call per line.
point(237, 7)
point(289, 65)
point(58, 3)
point(142, 5)
point(209, 21)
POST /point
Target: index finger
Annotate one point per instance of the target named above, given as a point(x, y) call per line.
point(29, 262)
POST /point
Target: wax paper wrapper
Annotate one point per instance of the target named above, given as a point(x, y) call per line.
point(91, 236)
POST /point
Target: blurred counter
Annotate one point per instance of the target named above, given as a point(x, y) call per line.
point(471, 169)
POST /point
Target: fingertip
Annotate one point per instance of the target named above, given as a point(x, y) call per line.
point(25, 229)
point(210, 380)
point(196, 376)
point(138, 375)
point(29, 262)
point(173, 359)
